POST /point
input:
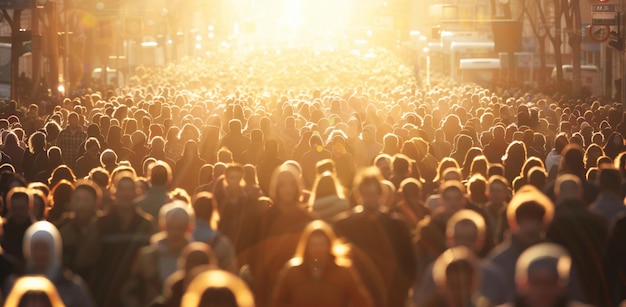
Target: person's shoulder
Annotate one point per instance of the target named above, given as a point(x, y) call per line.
point(144, 217)
point(147, 252)
point(499, 252)
point(350, 216)
point(72, 280)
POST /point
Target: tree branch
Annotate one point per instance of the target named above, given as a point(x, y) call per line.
point(7, 17)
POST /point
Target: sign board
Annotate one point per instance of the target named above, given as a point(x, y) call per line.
point(603, 8)
point(15, 4)
point(603, 21)
point(603, 14)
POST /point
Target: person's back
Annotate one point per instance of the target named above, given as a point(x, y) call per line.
point(236, 142)
point(69, 140)
point(615, 262)
point(310, 158)
point(385, 240)
point(497, 147)
point(584, 235)
point(111, 248)
point(609, 204)
point(160, 176)
point(328, 284)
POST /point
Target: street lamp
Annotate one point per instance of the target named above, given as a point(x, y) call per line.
point(426, 50)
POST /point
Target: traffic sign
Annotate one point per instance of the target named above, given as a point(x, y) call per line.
point(15, 4)
point(603, 8)
point(603, 21)
point(599, 34)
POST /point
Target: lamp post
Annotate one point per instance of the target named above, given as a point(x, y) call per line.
point(427, 52)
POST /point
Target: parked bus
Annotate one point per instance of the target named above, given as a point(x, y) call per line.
point(481, 71)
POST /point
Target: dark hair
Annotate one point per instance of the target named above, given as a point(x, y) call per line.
point(608, 179)
point(530, 210)
point(39, 297)
point(159, 173)
point(59, 173)
point(401, 164)
point(95, 192)
point(203, 205)
point(219, 297)
point(37, 142)
point(560, 142)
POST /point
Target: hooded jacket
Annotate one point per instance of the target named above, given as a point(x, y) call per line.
point(71, 287)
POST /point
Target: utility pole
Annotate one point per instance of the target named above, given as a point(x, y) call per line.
point(36, 49)
point(53, 47)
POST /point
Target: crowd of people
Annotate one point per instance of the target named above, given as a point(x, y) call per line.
point(304, 178)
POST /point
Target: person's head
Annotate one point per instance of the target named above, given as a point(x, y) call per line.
point(529, 214)
point(225, 156)
point(568, 187)
point(125, 191)
point(479, 166)
point(37, 142)
point(477, 186)
point(498, 192)
point(176, 219)
point(542, 274)
point(33, 110)
point(456, 273)
point(411, 191)
point(234, 125)
point(196, 254)
point(466, 228)
point(286, 186)
point(369, 189)
point(61, 172)
point(401, 165)
point(560, 142)
point(34, 291)
point(572, 160)
point(203, 206)
point(338, 144)
point(608, 179)
point(40, 204)
point(383, 163)
point(234, 177)
point(249, 175)
point(452, 197)
point(92, 146)
point(325, 185)
point(444, 164)
point(43, 249)
point(316, 243)
point(85, 200)
point(73, 120)
point(537, 177)
point(190, 150)
point(20, 205)
point(217, 288)
point(159, 174)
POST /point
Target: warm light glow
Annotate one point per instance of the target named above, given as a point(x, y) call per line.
point(61, 89)
point(294, 20)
